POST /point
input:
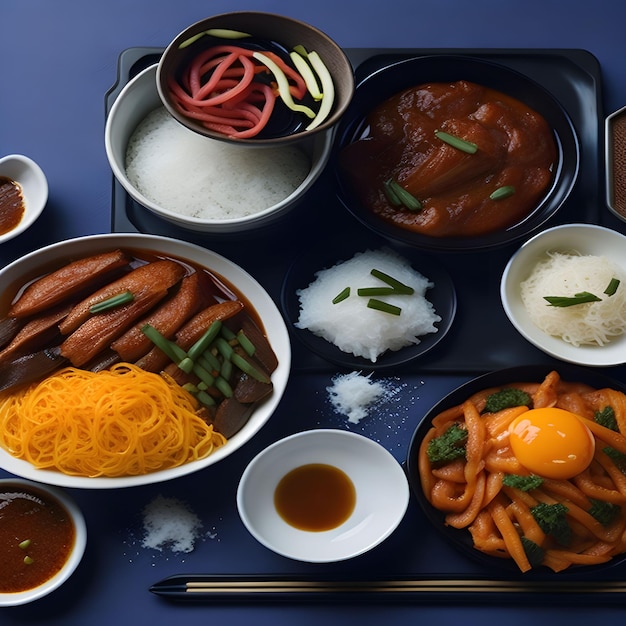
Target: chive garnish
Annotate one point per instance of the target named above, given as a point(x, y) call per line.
point(578, 298)
point(342, 295)
point(391, 195)
point(385, 307)
point(502, 192)
point(404, 197)
point(612, 287)
point(457, 142)
point(392, 282)
point(112, 302)
point(376, 291)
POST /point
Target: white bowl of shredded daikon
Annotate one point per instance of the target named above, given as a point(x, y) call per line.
point(564, 290)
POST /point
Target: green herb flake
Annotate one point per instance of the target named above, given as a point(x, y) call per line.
point(342, 295)
point(456, 142)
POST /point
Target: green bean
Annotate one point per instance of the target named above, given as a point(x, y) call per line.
point(228, 334)
point(245, 343)
point(205, 398)
point(223, 387)
point(209, 361)
point(385, 307)
point(247, 368)
point(226, 371)
point(392, 196)
point(171, 349)
point(205, 341)
point(113, 302)
point(223, 347)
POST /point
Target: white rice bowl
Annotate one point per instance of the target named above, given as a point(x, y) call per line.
point(350, 324)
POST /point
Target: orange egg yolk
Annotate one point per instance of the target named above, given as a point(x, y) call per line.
point(552, 443)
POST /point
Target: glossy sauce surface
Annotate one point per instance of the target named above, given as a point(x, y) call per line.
point(315, 497)
point(515, 148)
point(11, 204)
point(36, 537)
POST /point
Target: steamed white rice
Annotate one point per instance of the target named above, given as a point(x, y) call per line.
point(351, 325)
point(201, 178)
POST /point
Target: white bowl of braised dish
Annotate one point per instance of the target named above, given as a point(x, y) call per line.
point(564, 290)
point(454, 153)
point(113, 340)
point(43, 540)
point(322, 495)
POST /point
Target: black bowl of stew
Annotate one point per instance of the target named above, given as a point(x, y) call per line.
point(497, 194)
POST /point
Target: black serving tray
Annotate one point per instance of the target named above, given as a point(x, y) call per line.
point(482, 338)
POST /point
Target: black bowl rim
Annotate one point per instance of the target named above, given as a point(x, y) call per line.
point(461, 539)
point(301, 273)
point(564, 180)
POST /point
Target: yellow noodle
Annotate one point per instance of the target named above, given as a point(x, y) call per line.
point(120, 422)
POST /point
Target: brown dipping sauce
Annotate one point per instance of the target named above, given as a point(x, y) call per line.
point(315, 497)
point(32, 516)
point(516, 147)
point(12, 205)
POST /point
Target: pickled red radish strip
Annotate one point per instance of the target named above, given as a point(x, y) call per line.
point(221, 89)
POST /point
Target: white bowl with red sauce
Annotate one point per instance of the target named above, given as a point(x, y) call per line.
point(23, 194)
point(322, 495)
point(43, 540)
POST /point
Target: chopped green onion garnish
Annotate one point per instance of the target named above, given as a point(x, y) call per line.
point(24, 544)
point(502, 192)
point(342, 295)
point(405, 197)
point(376, 291)
point(392, 282)
point(28, 560)
point(247, 368)
point(392, 196)
point(457, 142)
point(205, 341)
point(565, 301)
point(112, 302)
point(612, 287)
point(385, 307)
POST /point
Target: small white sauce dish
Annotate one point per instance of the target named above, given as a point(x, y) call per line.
point(381, 486)
point(586, 239)
point(77, 549)
point(34, 185)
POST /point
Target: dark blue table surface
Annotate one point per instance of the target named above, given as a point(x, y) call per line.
point(59, 59)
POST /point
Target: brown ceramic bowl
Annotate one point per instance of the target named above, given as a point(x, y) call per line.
point(267, 32)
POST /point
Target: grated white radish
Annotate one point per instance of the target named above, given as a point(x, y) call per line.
point(351, 395)
point(194, 176)
point(351, 325)
point(168, 522)
point(566, 274)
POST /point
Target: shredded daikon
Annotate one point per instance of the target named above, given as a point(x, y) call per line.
point(567, 274)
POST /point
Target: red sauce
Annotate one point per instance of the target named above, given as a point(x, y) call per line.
point(36, 537)
point(516, 148)
point(315, 497)
point(11, 204)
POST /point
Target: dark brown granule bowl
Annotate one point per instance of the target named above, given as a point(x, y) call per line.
point(615, 144)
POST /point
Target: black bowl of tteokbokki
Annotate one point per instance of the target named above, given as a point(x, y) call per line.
point(255, 79)
point(519, 469)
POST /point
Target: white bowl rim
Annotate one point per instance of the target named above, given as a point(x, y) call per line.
point(149, 74)
point(76, 555)
point(328, 545)
point(612, 354)
point(277, 332)
point(38, 193)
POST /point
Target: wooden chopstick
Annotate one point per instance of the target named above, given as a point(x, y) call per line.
point(292, 588)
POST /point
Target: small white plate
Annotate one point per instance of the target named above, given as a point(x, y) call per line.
point(586, 239)
point(382, 495)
